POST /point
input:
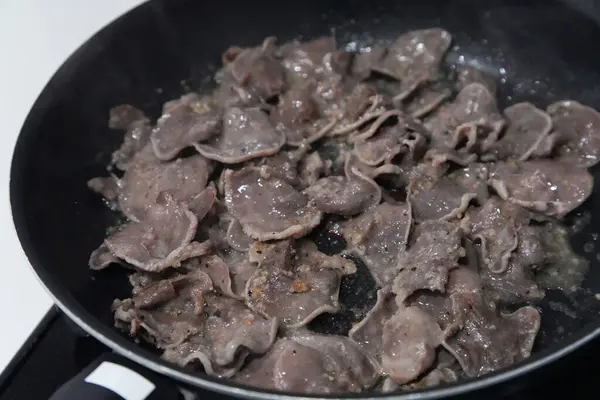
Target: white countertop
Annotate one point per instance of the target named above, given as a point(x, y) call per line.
point(36, 36)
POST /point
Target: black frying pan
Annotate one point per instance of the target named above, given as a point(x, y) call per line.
point(547, 49)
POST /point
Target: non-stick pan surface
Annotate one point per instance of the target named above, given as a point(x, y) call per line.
point(541, 51)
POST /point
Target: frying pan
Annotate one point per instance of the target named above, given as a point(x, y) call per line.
point(540, 50)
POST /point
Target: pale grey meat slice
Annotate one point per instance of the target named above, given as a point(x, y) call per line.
point(382, 147)
point(352, 161)
point(219, 273)
point(240, 269)
point(257, 70)
point(433, 251)
point(183, 178)
point(182, 126)
point(436, 196)
point(137, 133)
point(379, 237)
point(247, 133)
point(368, 333)
point(355, 109)
point(237, 238)
point(375, 126)
point(495, 225)
point(426, 100)
point(514, 285)
point(489, 341)
point(467, 74)
point(203, 203)
point(295, 283)
point(284, 164)
point(577, 132)
point(435, 377)
point(108, 187)
point(416, 56)
point(547, 186)
point(304, 60)
point(163, 239)
point(474, 179)
point(268, 208)
point(409, 343)
point(470, 123)
point(298, 116)
point(366, 59)
point(311, 168)
point(102, 257)
point(314, 365)
point(349, 195)
point(527, 128)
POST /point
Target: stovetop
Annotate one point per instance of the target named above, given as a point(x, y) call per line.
point(57, 351)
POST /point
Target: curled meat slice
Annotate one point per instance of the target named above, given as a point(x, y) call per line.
point(295, 284)
point(577, 132)
point(298, 116)
point(108, 187)
point(137, 133)
point(354, 110)
point(415, 57)
point(527, 128)
point(311, 168)
point(163, 239)
point(495, 225)
point(102, 258)
point(546, 186)
point(256, 69)
point(471, 123)
point(183, 178)
point(247, 133)
point(284, 164)
point(380, 148)
point(218, 271)
point(267, 207)
point(473, 178)
point(426, 100)
point(347, 195)
point(410, 339)
point(240, 269)
point(434, 250)
point(437, 197)
point(489, 341)
point(182, 126)
point(333, 365)
point(379, 238)
point(237, 238)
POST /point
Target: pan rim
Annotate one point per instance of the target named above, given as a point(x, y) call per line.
point(109, 337)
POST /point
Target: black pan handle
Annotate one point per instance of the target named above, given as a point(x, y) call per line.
point(112, 377)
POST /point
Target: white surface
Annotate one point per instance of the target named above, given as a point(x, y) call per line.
point(126, 383)
point(36, 36)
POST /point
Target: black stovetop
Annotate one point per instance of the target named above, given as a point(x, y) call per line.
point(57, 351)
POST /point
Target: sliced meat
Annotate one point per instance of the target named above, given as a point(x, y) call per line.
point(237, 238)
point(284, 164)
point(379, 237)
point(434, 250)
point(410, 338)
point(549, 187)
point(182, 126)
point(527, 128)
point(577, 132)
point(183, 178)
point(489, 341)
point(240, 269)
point(107, 187)
point(467, 74)
point(102, 257)
point(137, 133)
point(268, 207)
point(247, 133)
point(426, 100)
point(311, 168)
point(355, 109)
point(473, 178)
point(349, 195)
point(415, 57)
point(335, 365)
point(305, 60)
point(295, 283)
point(163, 239)
point(366, 60)
point(382, 147)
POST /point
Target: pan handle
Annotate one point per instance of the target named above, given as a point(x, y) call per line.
point(112, 377)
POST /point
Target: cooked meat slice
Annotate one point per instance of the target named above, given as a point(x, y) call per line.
point(495, 225)
point(426, 100)
point(467, 74)
point(309, 363)
point(163, 239)
point(433, 196)
point(577, 132)
point(305, 60)
point(137, 133)
point(366, 60)
point(257, 70)
point(310, 169)
point(433, 251)
point(284, 164)
point(435, 377)
point(183, 178)
point(355, 109)
point(102, 258)
point(107, 187)
point(247, 133)
point(415, 57)
point(379, 237)
point(546, 186)
point(240, 269)
point(473, 178)
point(349, 195)
point(410, 338)
point(382, 147)
point(268, 207)
point(516, 284)
point(237, 238)
point(489, 341)
point(295, 283)
point(527, 128)
point(203, 203)
point(182, 126)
